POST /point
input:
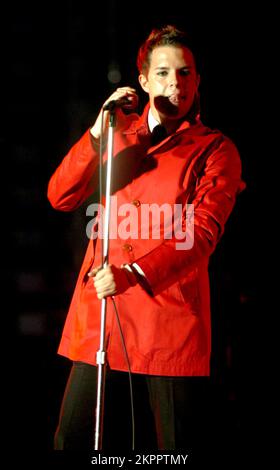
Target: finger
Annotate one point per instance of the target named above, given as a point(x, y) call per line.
point(122, 92)
point(103, 284)
point(104, 272)
point(97, 273)
point(94, 271)
point(126, 88)
point(105, 293)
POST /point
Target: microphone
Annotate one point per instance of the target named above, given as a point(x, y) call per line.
point(113, 104)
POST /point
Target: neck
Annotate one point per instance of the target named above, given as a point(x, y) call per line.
point(170, 125)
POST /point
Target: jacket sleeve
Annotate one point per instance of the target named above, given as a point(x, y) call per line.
point(214, 197)
point(75, 178)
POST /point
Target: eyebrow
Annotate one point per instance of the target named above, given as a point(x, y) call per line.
point(166, 68)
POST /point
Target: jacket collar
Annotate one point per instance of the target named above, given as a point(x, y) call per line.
point(141, 125)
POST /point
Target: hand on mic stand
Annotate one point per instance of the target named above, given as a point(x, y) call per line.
point(112, 280)
point(122, 98)
point(120, 103)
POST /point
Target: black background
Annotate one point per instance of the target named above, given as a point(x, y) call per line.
point(59, 55)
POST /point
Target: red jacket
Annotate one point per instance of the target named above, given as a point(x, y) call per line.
point(167, 333)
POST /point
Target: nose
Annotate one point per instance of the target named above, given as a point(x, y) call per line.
point(174, 79)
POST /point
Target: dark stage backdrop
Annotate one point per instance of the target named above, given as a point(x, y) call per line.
point(66, 57)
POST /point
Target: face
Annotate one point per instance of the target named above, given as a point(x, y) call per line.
point(171, 82)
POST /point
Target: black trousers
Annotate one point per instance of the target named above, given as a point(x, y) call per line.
point(170, 412)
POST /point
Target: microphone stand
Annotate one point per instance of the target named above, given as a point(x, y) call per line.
point(101, 353)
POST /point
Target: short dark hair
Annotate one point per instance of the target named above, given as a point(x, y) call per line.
point(164, 36)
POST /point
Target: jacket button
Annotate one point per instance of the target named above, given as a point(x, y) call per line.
point(127, 247)
point(136, 203)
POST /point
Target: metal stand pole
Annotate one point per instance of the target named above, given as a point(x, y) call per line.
point(101, 353)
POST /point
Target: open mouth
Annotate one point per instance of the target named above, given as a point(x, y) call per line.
point(176, 99)
point(169, 105)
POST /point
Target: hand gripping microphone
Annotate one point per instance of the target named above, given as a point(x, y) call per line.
point(113, 104)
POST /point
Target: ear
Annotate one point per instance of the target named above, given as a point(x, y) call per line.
point(144, 82)
point(197, 81)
